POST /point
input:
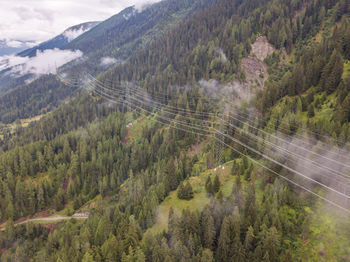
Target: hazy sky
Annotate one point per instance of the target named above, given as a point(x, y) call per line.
point(40, 20)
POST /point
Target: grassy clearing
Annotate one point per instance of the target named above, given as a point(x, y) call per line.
point(68, 209)
point(19, 123)
point(328, 237)
point(200, 199)
point(323, 112)
point(327, 108)
point(90, 204)
point(25, 122)
point(135, 128)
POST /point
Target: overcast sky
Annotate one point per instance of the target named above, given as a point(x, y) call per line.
point(40, 20)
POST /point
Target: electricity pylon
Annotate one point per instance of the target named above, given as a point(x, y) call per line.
point(218, 146)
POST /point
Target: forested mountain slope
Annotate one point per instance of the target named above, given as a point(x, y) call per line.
point(61, 40)
point(174, 166)
point(110, 42)
point(33, 99)
point(125, 32)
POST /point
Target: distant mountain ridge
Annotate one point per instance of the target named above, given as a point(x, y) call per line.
point(8, 47)
point(103, 46)
point(9, 79)
point(61, 40)
point(124, 33)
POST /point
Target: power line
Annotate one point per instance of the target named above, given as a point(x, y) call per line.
point(218, 131)
point(313, 162)
point(258, 163)
point(267, 158)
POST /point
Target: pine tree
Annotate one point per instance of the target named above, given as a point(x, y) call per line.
point(245, 162)
point(237, 185)
point(181, 191)
point(102, 231)
point(189, 191)
point(310, 111)
point(220, 195)
point(216, 184)
point(209, 186)
point(249, 240)
point(88, 257)
point(185, 191)
point(208, 229)
point(132, 237)
point(171, 180)
point(10, 211)
point(139, 256)
point(111, 249)
point(248, 173)
point(225, 251)
point(10, 230)
point(234, 168)
point(207, 256)
point(332, 72)
point(172, 221)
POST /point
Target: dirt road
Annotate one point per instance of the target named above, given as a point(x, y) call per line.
point(44, 219)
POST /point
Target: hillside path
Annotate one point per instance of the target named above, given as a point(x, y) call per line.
point(43, 219)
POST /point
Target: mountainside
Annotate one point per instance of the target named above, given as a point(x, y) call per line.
point(120, 36)
point(61, 40)
point(29, 64)
point(130, 30)
point(217, 131)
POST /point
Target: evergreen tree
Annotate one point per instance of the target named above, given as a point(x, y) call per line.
point(111, 249)
point(310, 111)
point(249, 243)
point(209, 186)
point(207, 256)
point(332, 72)
point(216, 184)
point(234, 168)
point(208, 229)
point(88, 257)
point(185, 191)
point(171, 181)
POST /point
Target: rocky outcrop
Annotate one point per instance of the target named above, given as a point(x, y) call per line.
point(262, 48)
point(253, 65)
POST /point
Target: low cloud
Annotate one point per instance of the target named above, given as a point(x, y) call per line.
point(43, 63)
point(31, 44)
point(72, 34)
point(142, 5)
point(107, 61)
point(234, 90)
point(221, 54)
point(10, 61)
point(128, 16)
point(14, 43)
